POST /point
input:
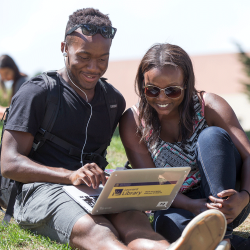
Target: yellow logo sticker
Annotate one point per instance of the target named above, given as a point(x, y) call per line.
point(127, 190)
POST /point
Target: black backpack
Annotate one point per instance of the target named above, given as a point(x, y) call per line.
point(8, 189)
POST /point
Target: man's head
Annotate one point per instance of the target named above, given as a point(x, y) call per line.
point(86, 16)
point(86, 55)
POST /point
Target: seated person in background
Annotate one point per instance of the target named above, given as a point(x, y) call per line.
point(41, 204)
point(9, 71)
point(175, 125)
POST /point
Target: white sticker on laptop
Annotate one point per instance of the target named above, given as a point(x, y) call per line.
point(162, 204)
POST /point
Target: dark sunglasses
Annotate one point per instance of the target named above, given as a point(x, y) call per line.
point(171, 92)
point(91, 29)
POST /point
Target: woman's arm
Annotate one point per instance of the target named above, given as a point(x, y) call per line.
point(139, 157)
point(137, 152)
point(219, 113)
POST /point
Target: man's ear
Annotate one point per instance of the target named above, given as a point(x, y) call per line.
point(64, 44)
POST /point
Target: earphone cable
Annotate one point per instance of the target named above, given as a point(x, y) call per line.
point(86, 131)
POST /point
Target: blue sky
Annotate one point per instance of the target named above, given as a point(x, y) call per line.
point(32, 30)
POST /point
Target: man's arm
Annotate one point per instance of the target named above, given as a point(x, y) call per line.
point(16, 165)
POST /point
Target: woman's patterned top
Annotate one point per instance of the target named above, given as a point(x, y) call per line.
point(166, 154)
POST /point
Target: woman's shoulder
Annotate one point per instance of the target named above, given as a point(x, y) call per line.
point(135, 109)
point(215, 106)
point(211, 100)
point(207, 100)
point(130, 116)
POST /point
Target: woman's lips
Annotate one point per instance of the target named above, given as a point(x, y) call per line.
point(163, 105)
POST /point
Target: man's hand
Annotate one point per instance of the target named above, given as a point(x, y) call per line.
point(232, 205)
point(89, 174)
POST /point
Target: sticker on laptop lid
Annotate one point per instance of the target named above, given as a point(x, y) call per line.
point(162, 204)
point(142, 189)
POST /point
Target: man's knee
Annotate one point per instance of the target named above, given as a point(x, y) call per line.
point(132, 225)
point(128, 218)
point(89, 230)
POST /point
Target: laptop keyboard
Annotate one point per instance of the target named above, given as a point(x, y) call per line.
point(90, 200)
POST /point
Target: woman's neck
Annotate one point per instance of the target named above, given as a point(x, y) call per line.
point(170, 128)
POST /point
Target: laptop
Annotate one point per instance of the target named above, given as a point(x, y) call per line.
point(135, 189)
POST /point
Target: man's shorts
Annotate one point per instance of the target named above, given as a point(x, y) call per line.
point(44, 208)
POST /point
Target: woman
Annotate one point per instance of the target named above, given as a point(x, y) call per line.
point(9, 71)
point(175, 125)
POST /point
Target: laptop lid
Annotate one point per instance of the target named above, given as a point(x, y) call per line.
point(136, 189)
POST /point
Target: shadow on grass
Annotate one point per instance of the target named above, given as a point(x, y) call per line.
point(242, 234)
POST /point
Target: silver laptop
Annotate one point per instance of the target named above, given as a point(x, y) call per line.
point(137, 189)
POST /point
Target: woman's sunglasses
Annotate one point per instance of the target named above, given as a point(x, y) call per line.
point(171, 92)
point(91, 29)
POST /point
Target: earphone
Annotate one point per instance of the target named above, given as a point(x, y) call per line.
point(65, 55)
point(64, 52)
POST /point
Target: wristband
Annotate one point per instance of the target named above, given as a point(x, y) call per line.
point(246, 191)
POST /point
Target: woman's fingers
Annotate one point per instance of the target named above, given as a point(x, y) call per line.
point(213, 206)
point(226, 193)
point(216, 201)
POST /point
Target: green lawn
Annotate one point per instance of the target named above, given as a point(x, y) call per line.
point(13, 237)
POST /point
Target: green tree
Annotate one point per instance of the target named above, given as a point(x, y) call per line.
point(245, 59)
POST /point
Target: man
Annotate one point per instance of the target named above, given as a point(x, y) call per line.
point(82, 121)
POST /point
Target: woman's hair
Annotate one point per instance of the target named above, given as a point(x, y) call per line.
point(159, 56)
point(7, 62)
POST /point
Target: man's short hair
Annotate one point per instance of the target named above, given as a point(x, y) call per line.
point(88, 15)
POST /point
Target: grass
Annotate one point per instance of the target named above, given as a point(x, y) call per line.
point(5, 97)
point(13, 237)
point(116, 154)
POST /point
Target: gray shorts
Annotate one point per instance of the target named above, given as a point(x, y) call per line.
point(44, 208)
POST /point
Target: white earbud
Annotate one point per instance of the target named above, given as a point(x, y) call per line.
point(65, 54)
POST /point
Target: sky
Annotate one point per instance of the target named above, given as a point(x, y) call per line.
point(31, 31)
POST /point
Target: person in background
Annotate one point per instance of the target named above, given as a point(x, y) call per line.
point(10, 72)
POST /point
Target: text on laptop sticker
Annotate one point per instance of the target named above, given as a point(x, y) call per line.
point(144, 189)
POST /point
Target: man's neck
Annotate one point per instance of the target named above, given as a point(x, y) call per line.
point(90, 93)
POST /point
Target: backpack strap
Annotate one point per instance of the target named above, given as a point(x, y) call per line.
point(10, 207)
point(111, 103)
point(52, 107)
point(4, 119)
point(7, 183)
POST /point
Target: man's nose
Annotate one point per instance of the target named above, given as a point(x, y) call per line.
point(92, 66)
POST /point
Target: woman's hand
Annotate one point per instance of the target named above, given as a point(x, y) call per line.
point(197, 206)
point(230, 203)
point(89, 174)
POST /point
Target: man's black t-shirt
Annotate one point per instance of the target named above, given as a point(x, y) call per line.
point(28, 110)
